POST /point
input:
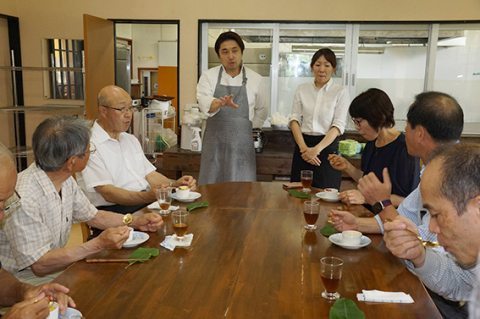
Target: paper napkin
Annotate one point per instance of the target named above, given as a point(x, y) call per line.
point(384, 296)
point(156, 205)
point(171, 242)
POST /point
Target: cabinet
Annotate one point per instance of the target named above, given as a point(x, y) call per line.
point(158, 131)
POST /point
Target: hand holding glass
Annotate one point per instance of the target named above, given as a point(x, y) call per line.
point(180, 223)
point(331, 273)
point(307, 179)
point(164, 197)
point(311, 209)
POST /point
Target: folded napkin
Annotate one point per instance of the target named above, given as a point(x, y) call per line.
point(384, 296)
point(156, 205)
point(298, 194)
point(171, 242)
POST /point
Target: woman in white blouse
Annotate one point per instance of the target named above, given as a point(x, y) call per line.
point(318, 116)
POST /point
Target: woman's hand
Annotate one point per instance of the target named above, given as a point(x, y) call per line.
point(310, 155)
point(337, 162)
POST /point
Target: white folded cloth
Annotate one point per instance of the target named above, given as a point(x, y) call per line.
point(171, 242)
point(384, 296)
point(156, 205)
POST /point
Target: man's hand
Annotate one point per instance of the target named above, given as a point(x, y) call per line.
point(186, 180)
point(351, 196)
point(373, 190)
point(342, 221)
point(113, 238)
point(310, 155)
point(29, 309)
point(148, 222)
point(55, 290)
point(337, 162)
point(401, 243)
point(227, 100)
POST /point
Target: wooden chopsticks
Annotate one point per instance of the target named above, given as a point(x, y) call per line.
point(112, 260)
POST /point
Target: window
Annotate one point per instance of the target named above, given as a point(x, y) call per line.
point(65, 84)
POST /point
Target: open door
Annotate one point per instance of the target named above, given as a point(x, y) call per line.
point(99, 46)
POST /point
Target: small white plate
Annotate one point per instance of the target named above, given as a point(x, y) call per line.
point(337, 240)
point(138, 238)
point(192, 196)
point(71, 312)
point(321, 195)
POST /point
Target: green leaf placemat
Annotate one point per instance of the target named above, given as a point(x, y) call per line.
point(193, 206)
point(142, 253)
point(328, 230)
point(345, 309)
point(298, 194)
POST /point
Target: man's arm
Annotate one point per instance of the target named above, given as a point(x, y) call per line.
point(122, 196)
point(53, 260)
point(342, 220)
point(12, 290)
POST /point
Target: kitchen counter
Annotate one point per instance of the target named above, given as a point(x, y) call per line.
point(275, 161)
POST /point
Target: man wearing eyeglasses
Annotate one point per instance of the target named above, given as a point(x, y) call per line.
point(118, 176)
point(36, 230)
point(28, 301)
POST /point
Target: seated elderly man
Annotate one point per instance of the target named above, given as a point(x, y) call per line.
point(28, 301)
point(37, 230)
point(451, 192)
point(118, 177)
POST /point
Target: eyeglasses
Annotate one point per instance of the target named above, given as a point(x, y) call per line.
point(123, 109)
point(357, 122)
point(92, 149)
point(12, 200)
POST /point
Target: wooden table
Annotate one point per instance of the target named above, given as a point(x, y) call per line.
point(250, 258)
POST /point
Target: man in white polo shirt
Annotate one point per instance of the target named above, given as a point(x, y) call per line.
point(118, 176)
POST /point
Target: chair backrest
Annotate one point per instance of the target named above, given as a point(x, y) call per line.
point(85, 231)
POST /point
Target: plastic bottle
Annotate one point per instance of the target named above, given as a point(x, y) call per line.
point(196, 144)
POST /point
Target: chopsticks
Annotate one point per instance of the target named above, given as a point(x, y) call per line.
point(112, 260)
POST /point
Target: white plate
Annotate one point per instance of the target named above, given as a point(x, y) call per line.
point(191, 197)
point(71, 312)
point(321, 195)
point(337, 240)
point(138, 238)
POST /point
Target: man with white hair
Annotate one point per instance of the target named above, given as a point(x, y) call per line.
point(32, 243)
point(28, 301)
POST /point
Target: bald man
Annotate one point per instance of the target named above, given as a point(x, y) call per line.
point(118, 176)
point(28, 301)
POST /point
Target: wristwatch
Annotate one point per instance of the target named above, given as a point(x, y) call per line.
point(379, 206)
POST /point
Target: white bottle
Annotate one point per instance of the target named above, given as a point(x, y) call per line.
point(196, 144)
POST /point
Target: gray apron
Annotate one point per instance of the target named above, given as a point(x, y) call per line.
point(228, 154)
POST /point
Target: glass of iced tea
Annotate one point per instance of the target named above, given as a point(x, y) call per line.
point(311, 209)
point(331, 273)
point(180, 223)
point(307, 179)
point(164, 197)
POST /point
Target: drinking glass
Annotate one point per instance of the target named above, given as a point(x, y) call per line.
point(164, 197)
point(307, 179)
point(331, 273)
point(180, 223)
point(311, 209)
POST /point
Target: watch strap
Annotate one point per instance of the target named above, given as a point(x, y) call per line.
point(386, 203)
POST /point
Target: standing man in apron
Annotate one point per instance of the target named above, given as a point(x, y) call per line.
point(234, 99)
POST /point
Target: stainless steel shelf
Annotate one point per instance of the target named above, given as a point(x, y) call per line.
point(48, 108)
point(21, 151)
point(39, 68)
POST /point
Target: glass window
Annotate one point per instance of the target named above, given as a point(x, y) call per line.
point(457, 66)
point(392, 58)
point(296, 49)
